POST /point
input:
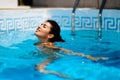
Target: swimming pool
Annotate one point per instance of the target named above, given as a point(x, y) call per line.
point(18, 56)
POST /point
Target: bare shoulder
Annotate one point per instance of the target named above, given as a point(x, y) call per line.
point(54, 47)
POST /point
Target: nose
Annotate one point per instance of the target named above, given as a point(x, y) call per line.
point(39, 27)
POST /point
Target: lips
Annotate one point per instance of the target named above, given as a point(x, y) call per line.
point(38, 30)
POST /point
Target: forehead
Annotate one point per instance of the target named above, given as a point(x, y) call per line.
point(47, 24)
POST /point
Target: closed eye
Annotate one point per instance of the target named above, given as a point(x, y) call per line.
point(44, 25)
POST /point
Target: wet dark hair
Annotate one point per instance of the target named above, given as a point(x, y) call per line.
point(55, 30)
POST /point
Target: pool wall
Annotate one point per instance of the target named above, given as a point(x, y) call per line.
point(85, 19)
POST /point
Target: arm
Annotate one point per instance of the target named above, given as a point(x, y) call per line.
point(69, 52)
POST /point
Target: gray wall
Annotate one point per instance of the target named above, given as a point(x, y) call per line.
point(69, 3)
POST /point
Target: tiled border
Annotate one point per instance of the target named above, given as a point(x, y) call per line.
point(84, 19)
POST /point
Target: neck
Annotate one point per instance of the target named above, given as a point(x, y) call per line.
point(43, 40)
point(46, 42)
point(49, 43)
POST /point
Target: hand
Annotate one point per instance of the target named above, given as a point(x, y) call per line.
point(96, 58)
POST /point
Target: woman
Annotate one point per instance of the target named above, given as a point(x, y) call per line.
point(48, 33)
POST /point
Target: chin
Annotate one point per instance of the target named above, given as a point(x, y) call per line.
point(36, 34)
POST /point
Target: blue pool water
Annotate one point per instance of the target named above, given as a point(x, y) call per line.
point(18, 56)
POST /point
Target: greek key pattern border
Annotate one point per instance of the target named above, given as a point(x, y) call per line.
point(81, 22)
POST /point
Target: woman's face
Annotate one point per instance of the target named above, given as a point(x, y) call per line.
point(43, 30)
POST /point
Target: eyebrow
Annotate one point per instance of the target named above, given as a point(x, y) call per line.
point(46, 24)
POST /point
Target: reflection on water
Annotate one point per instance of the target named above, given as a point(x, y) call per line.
point(18, 54)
